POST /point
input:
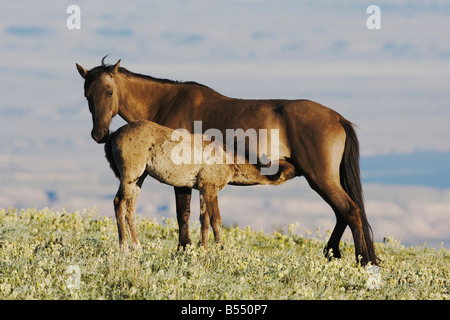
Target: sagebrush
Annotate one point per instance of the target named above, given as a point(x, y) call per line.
point(39, 249)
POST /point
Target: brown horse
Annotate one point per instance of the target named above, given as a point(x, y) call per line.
point(144, 148)
point(320, 143)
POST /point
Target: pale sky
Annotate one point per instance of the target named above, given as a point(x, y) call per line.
point(392, 82)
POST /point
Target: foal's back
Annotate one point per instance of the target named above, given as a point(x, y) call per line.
point(145, 146)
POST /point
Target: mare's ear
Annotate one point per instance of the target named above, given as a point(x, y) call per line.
point(83, 72)
point(116, 68)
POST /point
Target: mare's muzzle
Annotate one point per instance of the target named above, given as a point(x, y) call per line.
point(100, 136)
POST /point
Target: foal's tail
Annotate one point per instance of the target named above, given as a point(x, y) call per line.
point(109, 154)
point(351, 182)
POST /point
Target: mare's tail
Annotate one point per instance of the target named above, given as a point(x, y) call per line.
point(351, 182)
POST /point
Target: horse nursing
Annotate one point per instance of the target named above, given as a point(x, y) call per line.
point(145, 148)
point(314, 141)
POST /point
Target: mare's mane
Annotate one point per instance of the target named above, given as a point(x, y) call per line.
point(96, 72)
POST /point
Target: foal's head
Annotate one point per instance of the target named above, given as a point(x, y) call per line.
point(102, 94)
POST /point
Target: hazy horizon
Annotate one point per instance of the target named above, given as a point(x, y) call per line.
point(392, 83)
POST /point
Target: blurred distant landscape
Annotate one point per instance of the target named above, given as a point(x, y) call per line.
point(392, 83)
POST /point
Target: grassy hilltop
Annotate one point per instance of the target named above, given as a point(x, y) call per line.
point(47, 254)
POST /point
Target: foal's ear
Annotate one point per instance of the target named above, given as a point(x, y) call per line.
point(83, 72)
point(116, 68)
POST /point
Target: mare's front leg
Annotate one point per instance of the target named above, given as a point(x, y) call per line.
point(183, 205)
point(210, 214)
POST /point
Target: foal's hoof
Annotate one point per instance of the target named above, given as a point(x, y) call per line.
point(123, 248)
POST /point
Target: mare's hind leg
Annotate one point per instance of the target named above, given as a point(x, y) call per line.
point(321, 168)
point(347, 213)
point(210, 214)
point(333, 242)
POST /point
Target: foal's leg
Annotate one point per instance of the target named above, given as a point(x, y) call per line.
point(210, 214)
point(120, 208)
point(130, 218)
point(125, 207)
point(131, 212)
point(215, 218)
point(204, 218)
point(183, 204)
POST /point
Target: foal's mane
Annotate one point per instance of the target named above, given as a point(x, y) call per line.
point(108, 68)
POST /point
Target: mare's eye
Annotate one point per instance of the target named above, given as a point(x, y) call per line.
point(109, 93)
